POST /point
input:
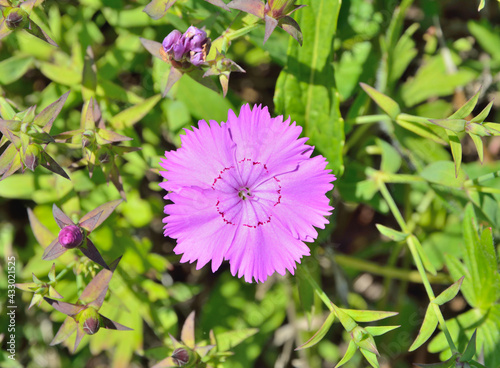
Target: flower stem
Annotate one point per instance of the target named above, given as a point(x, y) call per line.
point(317, 289)
point(410, 240)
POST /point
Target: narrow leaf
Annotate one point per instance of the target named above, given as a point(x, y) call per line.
point(483, 114)
point(391, 233)
point(379, 330)
point(368, 315)
point(46, 118)
point(92, 253)
point(449, 293)
point(65, 331)
point(187, 333)
point(50, 164)
point(79, 336)
point(478, 142)
point(370, 357)
point(153, 48)
point(103, 212)
point(428, 326)
point(466, 110)
point(386, 103)
point(158, 8)
point(66, 308)
point(112, 325)
point(132, 115)
point(173, 77)
point(318, 336)
point(456, 150)
point(61, 218)
point(42, 234)
point(94, 293)
point(455, 125)
point(36, 31)
point(351, 349)
point(54, 250)
point(470, 350)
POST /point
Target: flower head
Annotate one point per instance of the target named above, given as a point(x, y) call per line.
point(70, 236)
point(247, 191)
point(188, 49)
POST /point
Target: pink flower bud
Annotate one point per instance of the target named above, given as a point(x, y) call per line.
point(70, 237)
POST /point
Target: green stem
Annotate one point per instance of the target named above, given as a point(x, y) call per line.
point(482, 179)
point(418, 261)
point(390, 272)
point(413, 119)
point(368, 119)
point(322, 295)
point(64, 271)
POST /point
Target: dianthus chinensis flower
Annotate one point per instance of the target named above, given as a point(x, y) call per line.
point(247, 191)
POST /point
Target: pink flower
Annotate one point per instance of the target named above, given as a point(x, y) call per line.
point(247, 191)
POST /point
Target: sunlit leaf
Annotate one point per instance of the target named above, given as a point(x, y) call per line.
point(320, 334)
point(426, 330)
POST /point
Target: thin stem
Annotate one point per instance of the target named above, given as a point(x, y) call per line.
point(64, 271)
point(368, 119)
point(413, 119)
point(322, 295)
point(418, 261)
point(390, 272)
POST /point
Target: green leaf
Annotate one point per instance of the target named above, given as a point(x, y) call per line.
point(478, 142)
point(455, 125)
point(43, 235)
point(425, 260)
point(494, 128)
point(456, 150)
point(428, 326)
point(187, 332)
point(386, 103)
point(483, 114)
point(368, 315)
point(420, 129)
point(443, 173)
point(391, 233)
point(351, 349)
point(227, 340)
point(318, 336)
point(391, 159)
point(487, 37)
point(370, 357)
point(379, 330)
point(464, 111)
point(132, 115)
point(306, 90)
point(481, 5)
point(47, 116)
point(470, 350)
point(457, 270)
point(13, 68)
point(449, 293)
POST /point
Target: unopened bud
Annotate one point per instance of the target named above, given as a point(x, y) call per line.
point(90, 321)
point(70, 236)
point(16, 18)
point(180, 356)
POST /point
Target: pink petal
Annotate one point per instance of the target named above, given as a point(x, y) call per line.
point(204, 153)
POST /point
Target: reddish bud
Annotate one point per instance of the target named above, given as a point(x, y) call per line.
point(70, 237)
point(180, 356)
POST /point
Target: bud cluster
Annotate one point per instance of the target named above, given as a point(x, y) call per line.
point(184, 50)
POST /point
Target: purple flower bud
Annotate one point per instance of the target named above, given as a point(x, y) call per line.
point(197, 58)
point(70, 236)
point(180, 356)
point(16, 18)
point(195, 39)
point(173, 45)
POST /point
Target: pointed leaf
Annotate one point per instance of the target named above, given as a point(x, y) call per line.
point(79, 336)
point(470, 350)
point(198, 75)
point(271, 25)
point(13, 167)
point(46, 118)
point(173, 76)
point(391, 233)
point(426, 330)
point(112, 325)
point(478, 142)
point(187, 333)
point(43, 235)
point(255, 7)
point(344, 318)
point(351, 349)
point(290, 26)
point(52, 273)
point(4, 31)
point(92, 253)
point(379, 330)
point(7, 157)
point(37, 298)
point(158, 8)
point(95, 292)
point(455, 125)
point(50, 164)
point(89, 222)
point(61, 218)
point(54, 294)
point(443, 173)
point(370, 357)
point(483, 114)
point(89, 75)
point(494, 128)
point(168, 362)
point(36, 31)
point(153, 47)
point(466, 110)
point(368, 315)
point(456, 150)
point(476, 364)
point(132, 115)
point(318, 336)
point(386, 103)
point(65, 331)
point(66, 308)
point(449, 293)
point(54, 250)
point(421, 130)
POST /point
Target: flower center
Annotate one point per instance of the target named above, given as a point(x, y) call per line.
point(246, 194)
